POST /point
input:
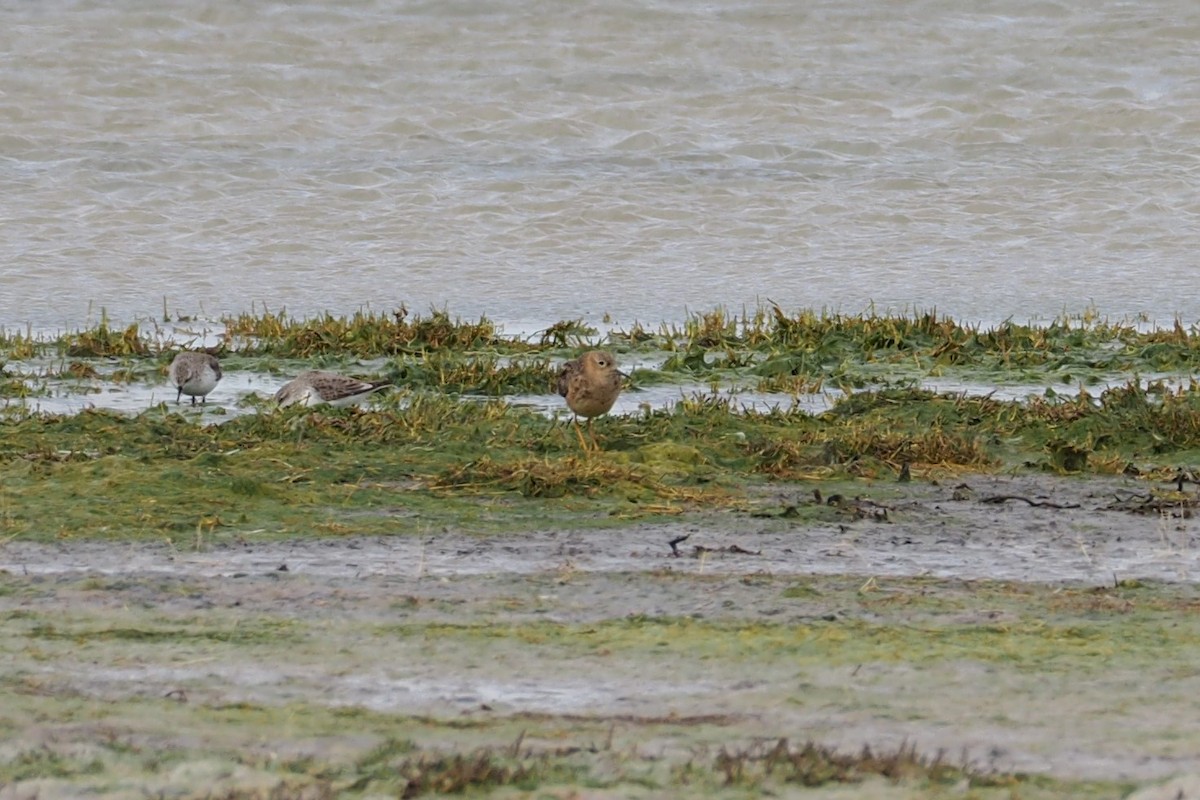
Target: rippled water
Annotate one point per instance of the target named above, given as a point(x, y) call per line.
point(537, 161)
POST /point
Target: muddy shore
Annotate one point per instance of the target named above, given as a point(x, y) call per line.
point(1026, 624)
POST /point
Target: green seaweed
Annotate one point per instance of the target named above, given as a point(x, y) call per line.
point(103, 474)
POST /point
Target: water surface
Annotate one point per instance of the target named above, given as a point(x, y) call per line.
point(538, 161)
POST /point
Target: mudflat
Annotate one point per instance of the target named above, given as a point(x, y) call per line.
point(1032, 631)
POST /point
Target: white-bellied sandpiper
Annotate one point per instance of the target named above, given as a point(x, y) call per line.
point(316, 388)
point(194, 374)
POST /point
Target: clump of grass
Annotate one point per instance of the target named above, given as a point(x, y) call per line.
point(44, 762)
point(567, 333)
point(1133, 421)
point(365, 334)
point(646, 482)
point(542, 477)
point(815, 765)
point(486, 374)
point(81, 371)
point(400, 767)
point(457, 773)
point(257, 632)
point(284, 790)
point(791, 384)
point(712, 329)
point(16, 387)
point(636, 335)
point(866, 453)
point(19, 346)
point(820, 344)
point(104, 341)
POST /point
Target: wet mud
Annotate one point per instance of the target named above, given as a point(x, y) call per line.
point(1029, 528)
point(1025, 624)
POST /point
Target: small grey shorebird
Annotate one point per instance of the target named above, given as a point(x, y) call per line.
point(591, 384)
point(194, 374)
point(315, 388)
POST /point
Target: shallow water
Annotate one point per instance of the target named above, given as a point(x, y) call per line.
point(242, 392)
point(544, 161)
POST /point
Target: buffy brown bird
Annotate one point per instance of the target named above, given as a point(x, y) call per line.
point(591, 384)
point(194, 374)
point(315, 388)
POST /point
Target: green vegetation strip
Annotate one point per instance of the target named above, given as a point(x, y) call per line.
point(435, 460)
point(398, 768)
point(766, 349)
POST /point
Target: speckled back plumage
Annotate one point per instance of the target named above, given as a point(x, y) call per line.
point(316, 387)
point(565, 373)
point(590, 383)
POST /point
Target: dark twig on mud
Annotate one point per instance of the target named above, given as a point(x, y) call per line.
point(1001, 498)
point(676, 541)
point(1153, 504)
point(699, 549)
point(1124, 501)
